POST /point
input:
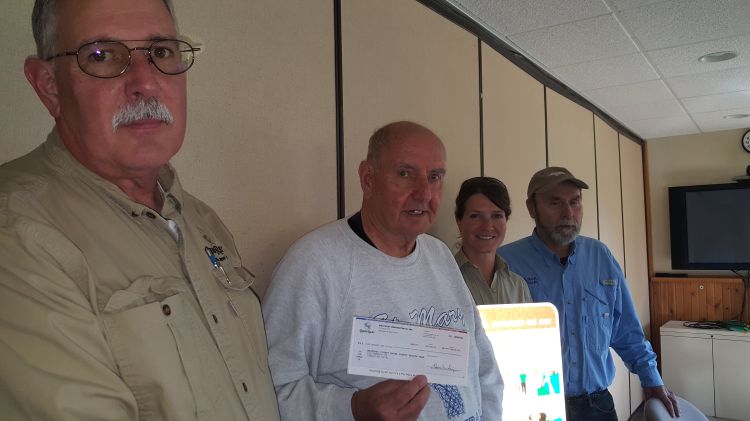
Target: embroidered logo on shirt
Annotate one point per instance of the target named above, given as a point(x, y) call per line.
point(451, 397)
point(426, 317)
point(608, 282)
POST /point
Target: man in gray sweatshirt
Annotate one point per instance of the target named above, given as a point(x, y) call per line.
point(377, 263)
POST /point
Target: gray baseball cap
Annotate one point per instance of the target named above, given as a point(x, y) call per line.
point(550, 177)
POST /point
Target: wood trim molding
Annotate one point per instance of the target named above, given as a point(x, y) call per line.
point(647, 198)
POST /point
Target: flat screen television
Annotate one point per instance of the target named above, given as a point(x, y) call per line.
point(710, 226)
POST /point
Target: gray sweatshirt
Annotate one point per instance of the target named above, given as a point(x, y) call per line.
point(331, 275)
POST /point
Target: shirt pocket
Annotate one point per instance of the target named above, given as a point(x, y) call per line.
point(537, 291)
point(245, 304)
point(165, 356)
point(597, 310)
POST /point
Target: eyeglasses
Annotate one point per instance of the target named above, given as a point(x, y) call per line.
point(108, 59)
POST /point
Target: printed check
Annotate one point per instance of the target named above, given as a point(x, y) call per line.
point(397, 350)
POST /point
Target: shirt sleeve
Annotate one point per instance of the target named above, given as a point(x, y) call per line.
point(294, 310)
point(55, 360)
point(628, 339)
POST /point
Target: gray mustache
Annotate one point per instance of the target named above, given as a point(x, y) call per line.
point(143, 109)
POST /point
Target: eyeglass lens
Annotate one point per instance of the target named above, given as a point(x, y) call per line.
point(111, 58)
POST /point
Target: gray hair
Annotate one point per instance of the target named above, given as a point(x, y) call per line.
point(44, 26)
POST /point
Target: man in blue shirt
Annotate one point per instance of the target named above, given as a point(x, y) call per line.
point(582, 279)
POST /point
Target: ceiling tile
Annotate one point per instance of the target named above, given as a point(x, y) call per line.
point(661, 127)
point(514, 16)
point(648, 110)
point(653, 90)
point(680, 22)
point(683, 60)
point(576, 42)
point(614, 71)
point(702, 104)
point(718, 82)
point(715, 120)
point(634, 59)
point(629, 4)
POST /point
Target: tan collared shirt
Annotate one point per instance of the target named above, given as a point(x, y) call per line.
point(109, 310)
point(506, 288)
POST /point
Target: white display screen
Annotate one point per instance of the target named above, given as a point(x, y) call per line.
point(526, 342)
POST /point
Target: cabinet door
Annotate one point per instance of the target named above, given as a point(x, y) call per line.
point(732, 378)
point(687, 369)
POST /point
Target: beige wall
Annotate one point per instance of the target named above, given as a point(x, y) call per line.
point(23, 119)
point(570, 142)
point(514, 139)
point(609, 200)
point(609, 196)
point(634, 234)
point(416, 67)
point(261, 138)
point(260, 144)
point(708, 158)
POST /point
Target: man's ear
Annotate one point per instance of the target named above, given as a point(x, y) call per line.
point(41, 76)
point(531, 206)
point(365, 177)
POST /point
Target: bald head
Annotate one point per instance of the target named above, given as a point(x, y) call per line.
point(393, 132)
point(402, 185)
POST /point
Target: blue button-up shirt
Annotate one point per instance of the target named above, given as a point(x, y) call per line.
point(596, 311)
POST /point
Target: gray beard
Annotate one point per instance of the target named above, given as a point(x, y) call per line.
point(562, 239)
point(143, 109)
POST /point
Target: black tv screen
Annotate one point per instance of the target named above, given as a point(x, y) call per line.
point(710, 226)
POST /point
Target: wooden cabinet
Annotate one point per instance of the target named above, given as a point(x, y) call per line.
point(694, 298)
point(708, 368)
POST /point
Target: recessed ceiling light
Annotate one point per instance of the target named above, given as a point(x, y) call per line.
point(717, 56)
point(736, 116)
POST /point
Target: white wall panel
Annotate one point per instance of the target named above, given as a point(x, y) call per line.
point(636, 252)
point(402, 61)
point(570, 142)
point(514, 146)
point(610, 232)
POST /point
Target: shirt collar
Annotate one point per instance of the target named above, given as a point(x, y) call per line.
point(549, 256)
point(68, 165)
point(462, 260)
point(173, 194)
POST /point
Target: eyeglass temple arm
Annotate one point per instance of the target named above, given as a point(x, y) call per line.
point(64, 53)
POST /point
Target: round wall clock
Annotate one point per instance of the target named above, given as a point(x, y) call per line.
point(746, 141)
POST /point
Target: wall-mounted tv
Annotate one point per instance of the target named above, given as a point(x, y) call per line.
point(710, 226)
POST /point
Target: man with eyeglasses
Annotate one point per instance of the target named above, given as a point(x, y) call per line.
point(121, 295)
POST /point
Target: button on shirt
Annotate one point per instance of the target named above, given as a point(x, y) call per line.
point(596, 311)
point(109, 309)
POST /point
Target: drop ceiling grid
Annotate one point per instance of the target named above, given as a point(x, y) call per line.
point(625, 53)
